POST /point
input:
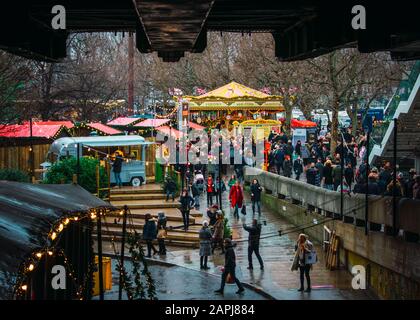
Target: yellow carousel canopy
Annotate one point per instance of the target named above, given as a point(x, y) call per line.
point(235, 96)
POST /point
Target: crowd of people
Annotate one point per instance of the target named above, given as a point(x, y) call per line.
point(344, 168)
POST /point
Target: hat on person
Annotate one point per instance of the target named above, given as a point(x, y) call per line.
point(412, 171)
point(161, 214)
point(215, 206)
point(205, 223)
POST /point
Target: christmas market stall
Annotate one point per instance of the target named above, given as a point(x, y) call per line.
point(232, 102)
point(94, 129)
point(46, 244)
point(125, 123)
point(24, 146)
point(303, 130)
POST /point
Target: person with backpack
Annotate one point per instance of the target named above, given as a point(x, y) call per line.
point(337, 174)
point(254, 243)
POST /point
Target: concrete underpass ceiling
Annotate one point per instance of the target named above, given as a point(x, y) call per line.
point(301, 28)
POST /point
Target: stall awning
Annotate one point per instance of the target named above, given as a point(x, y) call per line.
point(103, 128)
point(170, 132)
point(195, 126)
point(152, 123)
point(48, 131)
point(123, 121)
point(302, 124)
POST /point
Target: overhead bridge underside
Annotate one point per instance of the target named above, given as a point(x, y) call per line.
point(301, 29)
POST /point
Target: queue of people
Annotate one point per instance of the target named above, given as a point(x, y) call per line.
point(322, 166)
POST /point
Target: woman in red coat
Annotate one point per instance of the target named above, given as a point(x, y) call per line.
point(236, 197)
point(210, 190)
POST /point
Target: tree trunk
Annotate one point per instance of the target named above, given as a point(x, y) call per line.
point(334, 127)
point(288, 110)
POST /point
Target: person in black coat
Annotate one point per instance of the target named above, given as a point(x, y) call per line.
point(212, 214)
point(254, 243)
point(230, 265)
point(298, 167)
point(187, 202)
point(256, 196)
point(170, 188)
point(349, 175)
point(311, 174)
point(116, 168)
point(149, 234)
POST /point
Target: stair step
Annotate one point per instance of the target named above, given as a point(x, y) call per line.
point(146, 204)
point(138, 197)
point(171, 235)
point(168, 242)
point(173, 226)
point(145, 189)
point(172, 214)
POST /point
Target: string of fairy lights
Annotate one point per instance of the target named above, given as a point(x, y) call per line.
point(50, 250)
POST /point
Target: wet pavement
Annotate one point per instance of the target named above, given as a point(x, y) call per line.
point(179, 283)
point(277, 253)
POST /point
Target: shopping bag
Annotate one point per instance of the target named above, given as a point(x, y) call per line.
point(295, 263)
point(311, 258)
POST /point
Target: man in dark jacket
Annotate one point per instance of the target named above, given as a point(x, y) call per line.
point(170, 189)
point(254, 242)
point(298, 167)
point(349, 175)
point(116, 167)
point(212, 214)
point(149, 234)
point(230, 265)
point(196, 195)
point(256, 196)
point(311, 174)
point(187, 202)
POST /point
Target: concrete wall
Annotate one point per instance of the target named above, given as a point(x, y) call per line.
point(393, 264)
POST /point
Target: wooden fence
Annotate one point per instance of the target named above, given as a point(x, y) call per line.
point(18, 157)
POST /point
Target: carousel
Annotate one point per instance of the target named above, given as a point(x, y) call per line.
point(233, 104)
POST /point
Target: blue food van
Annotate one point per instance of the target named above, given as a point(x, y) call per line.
point(132, 172)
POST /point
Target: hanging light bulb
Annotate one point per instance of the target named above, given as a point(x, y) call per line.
point(24, 287)
point(31, 267)
point(38, 255)
point(76, 218)
point(66, 222)
point(50, 253)
point(60, 227)
point(53, 236)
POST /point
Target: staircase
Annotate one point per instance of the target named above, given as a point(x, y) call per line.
point(150, 198)
point(405, 107)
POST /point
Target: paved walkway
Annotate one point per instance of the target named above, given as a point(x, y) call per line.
point(180, 283)
point(277, 253)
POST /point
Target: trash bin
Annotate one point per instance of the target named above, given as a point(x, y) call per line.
point(107, 275)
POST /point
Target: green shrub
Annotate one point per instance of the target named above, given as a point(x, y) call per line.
point(14, 175)
point(63, 171)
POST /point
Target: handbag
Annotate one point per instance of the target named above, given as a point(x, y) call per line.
point(243, 209)
point(311, 258)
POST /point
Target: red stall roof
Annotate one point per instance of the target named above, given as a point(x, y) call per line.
point(152, 123)
point(195, 126)
point(67, 124)
point(302, 124)
point(123, 121)
point(103, 128)
point(170, 131)
point(23, 130)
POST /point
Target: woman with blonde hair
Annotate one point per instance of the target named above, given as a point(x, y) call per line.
point(304, 248)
